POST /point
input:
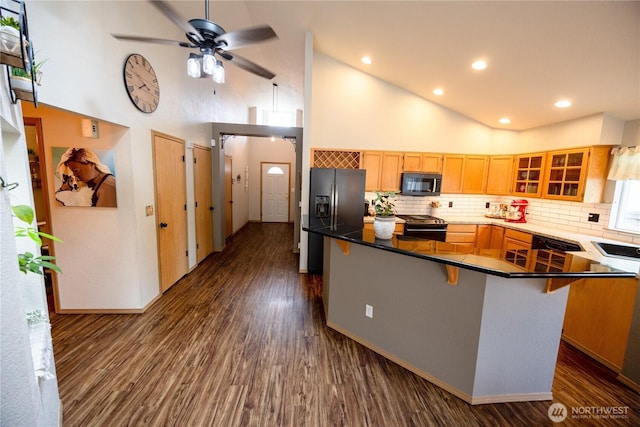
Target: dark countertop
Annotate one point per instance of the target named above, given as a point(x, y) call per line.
point(483, 260)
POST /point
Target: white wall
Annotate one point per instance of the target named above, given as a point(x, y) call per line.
point(355, 110)
point(83, 74)
point(237, 148)
point(26, 400)
point(598, 129)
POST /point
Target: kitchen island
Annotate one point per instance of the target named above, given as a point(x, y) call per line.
point(483, 329)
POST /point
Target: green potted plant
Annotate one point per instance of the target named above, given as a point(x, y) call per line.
point(13, 44)
point(10, 35)
point(384, 223)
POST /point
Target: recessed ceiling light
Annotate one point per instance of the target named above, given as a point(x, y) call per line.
point(505, 120)
point(438, 91)
point(366, 60)
point(479, 65)
point(563, 103)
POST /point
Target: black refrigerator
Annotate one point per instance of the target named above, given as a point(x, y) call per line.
point(336, 198)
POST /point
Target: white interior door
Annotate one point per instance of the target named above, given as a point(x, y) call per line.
point(275, 192)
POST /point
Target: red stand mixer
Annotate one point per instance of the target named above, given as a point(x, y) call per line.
point(517, 211)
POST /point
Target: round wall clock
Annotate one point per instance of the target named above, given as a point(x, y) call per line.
point(141, 83)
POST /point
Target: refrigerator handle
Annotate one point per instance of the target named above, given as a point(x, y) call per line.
point(335, 205)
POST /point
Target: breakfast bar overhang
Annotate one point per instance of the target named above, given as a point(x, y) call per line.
point(474, 325)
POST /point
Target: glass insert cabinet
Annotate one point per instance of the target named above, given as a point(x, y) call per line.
point(529, 174)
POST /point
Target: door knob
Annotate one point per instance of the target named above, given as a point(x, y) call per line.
point(163, 225)
point(210, 208)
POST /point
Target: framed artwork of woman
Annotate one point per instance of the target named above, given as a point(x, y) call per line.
point(84, 177)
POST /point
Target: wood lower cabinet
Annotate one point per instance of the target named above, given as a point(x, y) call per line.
point(550, 261)
point(489, 237)
point(516, 248)
point(461, 233)
point(598, 318)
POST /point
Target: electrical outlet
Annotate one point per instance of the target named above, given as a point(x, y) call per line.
point(486, 205)
point(593, 217)
point(450, 204)
point(368, 311)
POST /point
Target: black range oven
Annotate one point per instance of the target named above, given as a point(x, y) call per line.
point(425, 226)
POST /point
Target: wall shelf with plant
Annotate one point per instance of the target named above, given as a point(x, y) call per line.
point(16, 52)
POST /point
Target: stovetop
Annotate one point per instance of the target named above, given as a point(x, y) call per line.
point(422, 219)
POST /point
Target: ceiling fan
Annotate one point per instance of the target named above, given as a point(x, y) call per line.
point(212, 40)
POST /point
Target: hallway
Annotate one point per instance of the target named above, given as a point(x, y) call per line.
point(241, 341)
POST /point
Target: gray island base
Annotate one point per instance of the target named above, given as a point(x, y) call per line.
point(487, 339)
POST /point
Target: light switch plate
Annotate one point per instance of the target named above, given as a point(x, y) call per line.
point(368, 311)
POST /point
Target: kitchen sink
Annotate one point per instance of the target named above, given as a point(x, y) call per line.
point(618, 251)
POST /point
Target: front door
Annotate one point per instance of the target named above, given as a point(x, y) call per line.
point(202, 171)
point(171, 213)
point(275, 192)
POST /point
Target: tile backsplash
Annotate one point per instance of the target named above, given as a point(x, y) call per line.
point(568, 216)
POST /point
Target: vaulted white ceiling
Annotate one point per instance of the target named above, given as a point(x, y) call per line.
point(537, 52)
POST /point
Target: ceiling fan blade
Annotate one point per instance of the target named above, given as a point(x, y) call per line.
point(151, 40)
point(246, 65)
point(176, 18)
point(240, 38)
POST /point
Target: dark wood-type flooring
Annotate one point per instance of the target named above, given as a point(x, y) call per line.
point(242, 341)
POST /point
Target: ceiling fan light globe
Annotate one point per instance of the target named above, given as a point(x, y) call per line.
point(194, 66)
point(219, 73)
point(208, 63)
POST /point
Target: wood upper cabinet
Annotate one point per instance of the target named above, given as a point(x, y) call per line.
point(383, 170)
point(528, 175)
point(391, 170)
point(464, 174)
point(499, 175)
point(372, 163)
point(577, 175)
point(474, 176)
point(422, 162)
point(452, 170)
point(412, 162)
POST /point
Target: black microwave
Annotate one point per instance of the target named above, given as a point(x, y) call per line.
point(421, 184)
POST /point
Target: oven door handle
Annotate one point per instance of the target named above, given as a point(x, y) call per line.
point(425, 229)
